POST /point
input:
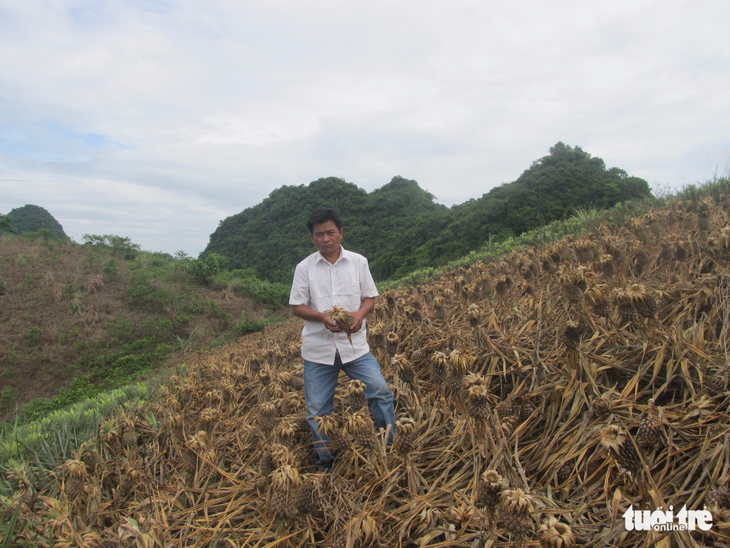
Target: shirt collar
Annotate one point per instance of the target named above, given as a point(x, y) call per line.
point(344, 254)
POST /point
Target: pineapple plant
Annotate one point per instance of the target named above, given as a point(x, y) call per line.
point(129, 434)
point(343, 320)
point(89, 456)
point(328, 426)
point(554, 534)
point(477, 402)
point(403, 368)
point(110, 437)
point(621, 447)
point(439, 307)
point(459, 363)
point(175, 424)
point(565, 471)
point(507, 408)
point(376, 338)
point(474, 314)
point(361, 429)
point(267, 418)
point(18, 477)
point(644, 303)
point(439, 368)
point(517, 508)
point(75, 477)
point(571, 335)
point(284, 482)
point(489, 490)
point(717, 499)
point(703, 218)
point(286, 434)
point(528, 408)
point(356, 394)
point(596, 297)
point(304, 498)
point(266, 464)
point(625, 307)
point(574, 284)
point(405, 431)
point(647, 435)
point(418, 355)
point(393, 340)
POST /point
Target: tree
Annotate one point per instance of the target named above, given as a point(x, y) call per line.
point(6, 224)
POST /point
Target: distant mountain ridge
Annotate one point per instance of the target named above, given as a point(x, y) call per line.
point(32, 218)
point(400, 228)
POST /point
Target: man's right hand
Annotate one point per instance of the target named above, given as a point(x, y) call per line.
point(330, 324)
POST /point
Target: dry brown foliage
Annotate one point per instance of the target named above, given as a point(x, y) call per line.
point(628, 409)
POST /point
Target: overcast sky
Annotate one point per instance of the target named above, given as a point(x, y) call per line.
point(157, 119)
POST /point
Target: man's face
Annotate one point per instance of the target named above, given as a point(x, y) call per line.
point(326, 238)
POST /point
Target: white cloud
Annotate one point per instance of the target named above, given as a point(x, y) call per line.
point(158, 119)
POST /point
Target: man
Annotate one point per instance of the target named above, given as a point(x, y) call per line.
point(334, 276)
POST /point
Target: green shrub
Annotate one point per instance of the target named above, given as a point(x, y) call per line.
point(109, 269)
point(34, 334)
point(116, 245)
point(246, 325)
point(203, 270)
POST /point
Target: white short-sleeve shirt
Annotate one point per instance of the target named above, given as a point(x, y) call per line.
point(320, 285)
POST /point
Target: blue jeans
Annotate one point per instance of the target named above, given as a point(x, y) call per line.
point(320, 381)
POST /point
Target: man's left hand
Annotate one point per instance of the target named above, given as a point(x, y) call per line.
point(359, 317)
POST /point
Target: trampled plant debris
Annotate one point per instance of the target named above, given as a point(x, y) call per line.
point(540, 397)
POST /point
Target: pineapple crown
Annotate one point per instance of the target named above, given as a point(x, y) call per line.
point(517, 502)
point(612, 437)
point(18, 473)
point(474, 378)
point(478, 392)
point(492, 479)
point(285, 429)
point(328, 424)
point(405, 425)
point(74, 468)
point(286, 478)
point(622, 297)
point(636, 292)
point(359, 422)
point(268, 408)
point(355, 387)
point(459, 360)
point(556, 534)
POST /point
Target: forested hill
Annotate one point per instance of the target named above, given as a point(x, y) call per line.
point(30, 218)
point(272, 238)
point(399, 227)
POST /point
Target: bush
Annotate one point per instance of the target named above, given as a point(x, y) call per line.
point(247, 325)
point(116, 245)
point(203, 270)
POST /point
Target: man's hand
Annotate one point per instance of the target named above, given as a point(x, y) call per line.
point(330, 324)
point(306, 313)
point(367, 307)
point(359, 317)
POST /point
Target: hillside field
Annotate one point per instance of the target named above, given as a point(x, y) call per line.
point(540, 395)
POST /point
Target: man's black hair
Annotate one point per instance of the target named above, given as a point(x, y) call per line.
point(322, 215)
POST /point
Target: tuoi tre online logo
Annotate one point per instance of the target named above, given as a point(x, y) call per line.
point(663, 520)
